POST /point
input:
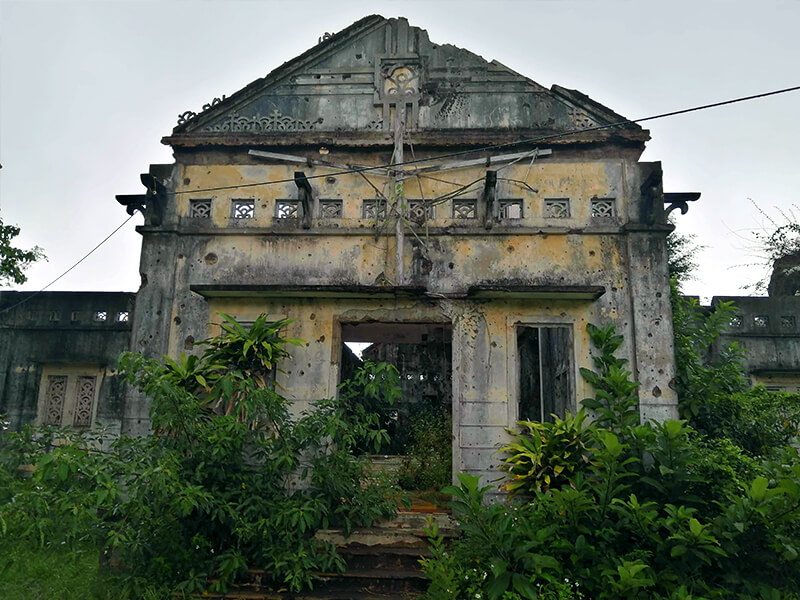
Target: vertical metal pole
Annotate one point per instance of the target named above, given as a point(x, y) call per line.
point(397, 157)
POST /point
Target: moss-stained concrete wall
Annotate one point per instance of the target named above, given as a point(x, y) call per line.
point(535, 270)
point(61, 333)
point(572, 231)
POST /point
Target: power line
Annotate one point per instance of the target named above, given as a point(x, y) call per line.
point(85, 256)
point(362, 170)
point(504, 145)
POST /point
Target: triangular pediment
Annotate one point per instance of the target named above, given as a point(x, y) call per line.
point(379, 72)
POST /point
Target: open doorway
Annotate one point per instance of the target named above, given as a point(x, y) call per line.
point(419, 422)
point(544, 362)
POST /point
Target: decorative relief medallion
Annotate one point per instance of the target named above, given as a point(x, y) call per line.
point(54, 399)
point(275, 121)
point(84, 402)
point(401, 81)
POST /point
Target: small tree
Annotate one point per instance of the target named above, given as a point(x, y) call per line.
point(14, 261)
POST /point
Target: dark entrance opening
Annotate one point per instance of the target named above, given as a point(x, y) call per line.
point(420, 421)
point(546, 384)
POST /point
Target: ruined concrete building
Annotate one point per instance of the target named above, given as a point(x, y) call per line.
point(448, 212)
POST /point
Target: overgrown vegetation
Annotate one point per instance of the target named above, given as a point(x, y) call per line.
point(617, 509)
point(13, 260)
point(228, 480)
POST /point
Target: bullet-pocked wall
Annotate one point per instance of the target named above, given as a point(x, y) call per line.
point(383, 178)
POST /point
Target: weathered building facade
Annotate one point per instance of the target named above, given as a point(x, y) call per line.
point(385, 189)
point(58, 354)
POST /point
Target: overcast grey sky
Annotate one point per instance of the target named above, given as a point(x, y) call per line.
point(87, 90)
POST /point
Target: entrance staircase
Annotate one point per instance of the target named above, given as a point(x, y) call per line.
point(382, 564)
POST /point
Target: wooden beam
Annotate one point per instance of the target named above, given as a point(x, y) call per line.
point(305, 194)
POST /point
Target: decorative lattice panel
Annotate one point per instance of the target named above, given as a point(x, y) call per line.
point(373, 209)
point(54, 397)
point(330, 209)
point(604, 207)
point(465, 208)
point(287, 209)
point(84, 401)
point(243, 209)
point(200, 209)
point(556, 208)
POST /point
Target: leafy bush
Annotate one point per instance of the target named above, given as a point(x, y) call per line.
point(699, 380)
point(757, 420)
point(653, 511)
point(229, 479)
point(427, 463)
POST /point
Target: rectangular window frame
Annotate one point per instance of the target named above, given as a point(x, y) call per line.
point(247, 203)
point(201, 208)
point(515, 322)
point(73, 374)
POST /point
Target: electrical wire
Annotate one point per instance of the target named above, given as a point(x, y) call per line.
point(85, 256)
point(504, 145)
point(461, 190)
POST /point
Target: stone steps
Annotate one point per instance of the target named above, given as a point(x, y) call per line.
point(382, 564)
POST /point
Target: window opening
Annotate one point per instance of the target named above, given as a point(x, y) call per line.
point(373, 209)
point(556, 208)
point(544, 357)
point(511, 209)
point(419, 423)
point(604, 208)
point(287, 209)
point(330, 209)
point(100, 316)
point(200, 208)
point(465, 208)
point(243, 209)
point(122, 316)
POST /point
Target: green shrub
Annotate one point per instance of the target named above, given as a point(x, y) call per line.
point(757, 420)
point(649, 511)
point(427, 464)
point(214, 490)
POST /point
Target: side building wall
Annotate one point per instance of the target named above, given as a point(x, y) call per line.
point(768, 328)
point(58, 352)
